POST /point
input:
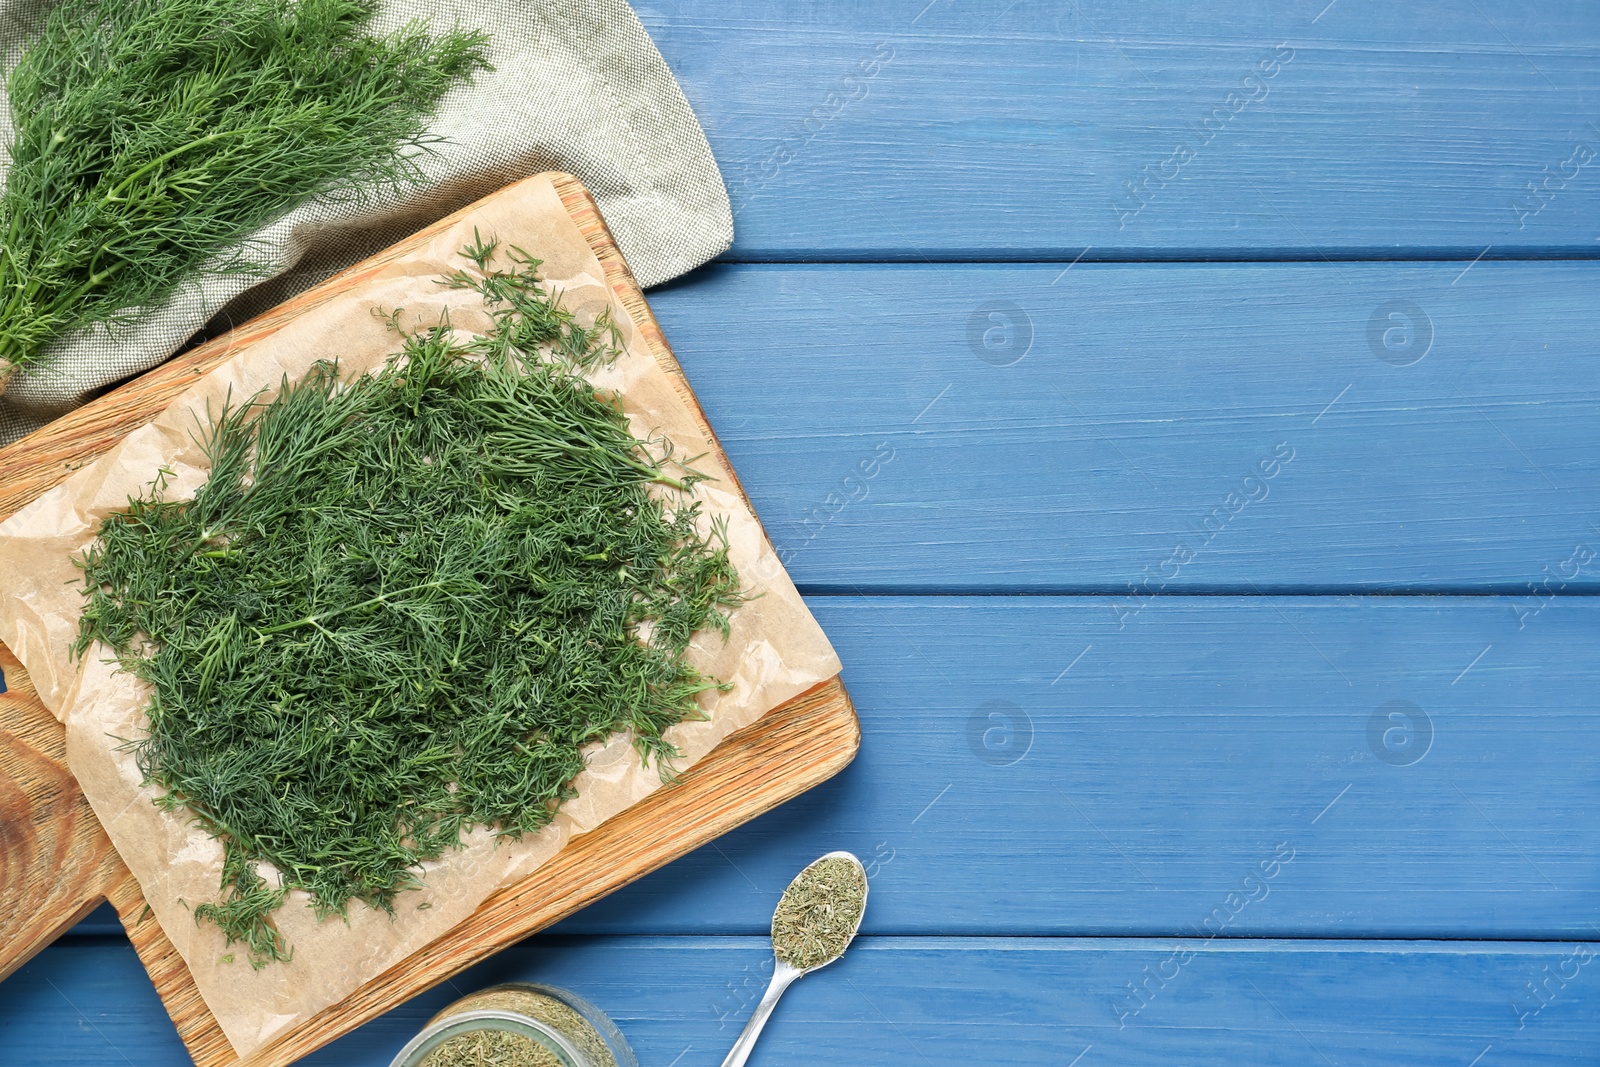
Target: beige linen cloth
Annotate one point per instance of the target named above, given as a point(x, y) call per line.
point(577, 86)
point(776, 650)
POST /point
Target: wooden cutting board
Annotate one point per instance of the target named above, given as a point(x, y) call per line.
point(56, 863)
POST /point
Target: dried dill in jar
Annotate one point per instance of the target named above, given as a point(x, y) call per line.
point(492, 1048)
point(401, 605)
point(519, 1019)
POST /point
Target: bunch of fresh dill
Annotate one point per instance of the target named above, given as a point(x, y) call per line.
point(400, 605)
point(152, 136)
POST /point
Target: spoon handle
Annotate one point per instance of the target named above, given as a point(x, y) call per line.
point(782, 976)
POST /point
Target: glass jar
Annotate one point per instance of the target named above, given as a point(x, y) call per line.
point(576, 1033)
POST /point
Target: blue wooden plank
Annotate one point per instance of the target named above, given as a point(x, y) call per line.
point(1169, 428)
point(1036, 130)
point(85, 1000)
point(1159, 763)
point(102, 922)
point(946, 1001)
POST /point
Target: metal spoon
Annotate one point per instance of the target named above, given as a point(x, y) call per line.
point(784, 974)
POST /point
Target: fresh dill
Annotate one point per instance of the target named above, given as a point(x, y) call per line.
point(401, 604)
point(152, 136)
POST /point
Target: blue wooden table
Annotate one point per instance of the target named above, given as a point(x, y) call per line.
point(1183, 419)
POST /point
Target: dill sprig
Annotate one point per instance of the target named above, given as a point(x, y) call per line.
point(152, 136)
point(400, 605)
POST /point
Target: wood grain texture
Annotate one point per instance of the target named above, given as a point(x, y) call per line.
point(994, 129)
point(1140, 398)
point(946, 1001)
point(55, 861)
point(789, 750)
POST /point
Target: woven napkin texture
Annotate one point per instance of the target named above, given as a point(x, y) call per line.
point(578, 86)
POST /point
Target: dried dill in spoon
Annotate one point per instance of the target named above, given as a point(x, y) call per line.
point(817, 917)
point(151, 136)
point(400, 605)
point(819, 914)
